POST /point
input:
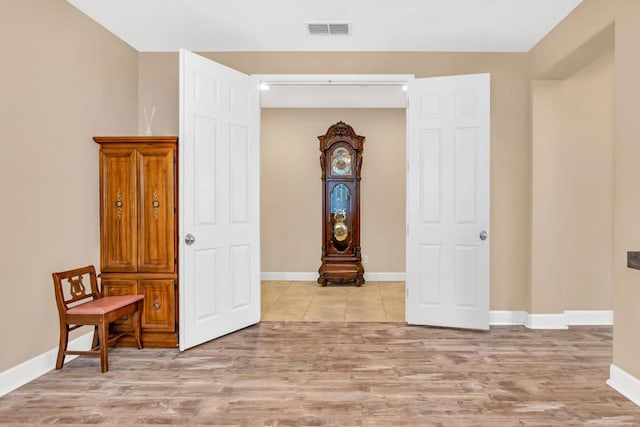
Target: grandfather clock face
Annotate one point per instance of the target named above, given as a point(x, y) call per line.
point(341, 162)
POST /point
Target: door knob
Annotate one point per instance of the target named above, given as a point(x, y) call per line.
point(484, 235)
point(189, 239)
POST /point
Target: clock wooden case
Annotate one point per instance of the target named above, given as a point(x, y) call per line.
point(341, 163)
point(138, 243)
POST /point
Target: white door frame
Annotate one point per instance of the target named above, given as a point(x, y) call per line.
point(311, 87)
point(308, 87)
point(344, 79)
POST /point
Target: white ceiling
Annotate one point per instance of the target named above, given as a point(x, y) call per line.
point(377, 25)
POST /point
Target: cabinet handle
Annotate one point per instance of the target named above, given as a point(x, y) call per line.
point(156, 204)
point(156, 305)
point(119, 204)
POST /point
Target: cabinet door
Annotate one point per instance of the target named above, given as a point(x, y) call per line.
point(111, 287)
point(118, 219)
point(156, 238)
point(159, 314)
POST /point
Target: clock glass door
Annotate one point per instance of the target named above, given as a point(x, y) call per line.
point(340, 216)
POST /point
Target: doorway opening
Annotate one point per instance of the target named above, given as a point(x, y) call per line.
point(294, 113)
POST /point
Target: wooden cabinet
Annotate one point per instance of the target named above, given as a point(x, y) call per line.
point(138, 225)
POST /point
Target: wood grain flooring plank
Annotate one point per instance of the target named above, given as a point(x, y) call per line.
point(340, 374)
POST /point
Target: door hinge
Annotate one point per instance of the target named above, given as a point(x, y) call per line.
point(407, 290)
point(407, 229)
point(407, 167)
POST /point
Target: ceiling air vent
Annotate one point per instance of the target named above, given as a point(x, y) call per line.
point(329, 28)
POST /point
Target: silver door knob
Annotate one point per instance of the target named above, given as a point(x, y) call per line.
point(189, 239)
point(484, 235)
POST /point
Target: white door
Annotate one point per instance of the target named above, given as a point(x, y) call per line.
point(219, 175)
point(448, 202)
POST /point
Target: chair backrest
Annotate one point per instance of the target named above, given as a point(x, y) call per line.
point(74, 291)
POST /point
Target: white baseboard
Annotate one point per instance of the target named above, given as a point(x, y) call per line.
point(589, 317)
point(506, 317)
point(546, 321)
point(27, 371)
point(570, 318)
point(624, 383)
point(552, 321)
point(313, 276)
point(385, 277)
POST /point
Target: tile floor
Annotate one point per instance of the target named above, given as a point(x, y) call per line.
point(295, 301)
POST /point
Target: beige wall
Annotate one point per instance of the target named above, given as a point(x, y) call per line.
point(291, 193)
point(572, 181)
point(67, 79)
point(63, 79)
point(587, 114)
point(548, 207)
point(158, 87)
point(591, 19)
point(510, 142)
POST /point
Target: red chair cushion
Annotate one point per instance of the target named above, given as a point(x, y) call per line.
point(105, 304)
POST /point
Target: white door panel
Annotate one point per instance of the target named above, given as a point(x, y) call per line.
point(448, 201)
point(219, 200)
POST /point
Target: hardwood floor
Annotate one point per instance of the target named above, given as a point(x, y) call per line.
point(340, 374)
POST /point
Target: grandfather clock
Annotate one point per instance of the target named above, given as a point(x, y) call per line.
point(341, 161)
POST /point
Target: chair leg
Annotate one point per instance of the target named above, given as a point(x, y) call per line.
point(94, 343)
point(62, 345)
point(103, 332)
point(137, 324)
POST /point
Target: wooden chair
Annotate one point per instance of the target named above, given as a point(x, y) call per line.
point(78, 306)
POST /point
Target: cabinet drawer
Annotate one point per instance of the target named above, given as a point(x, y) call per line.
point(116, 287)
point(159, 305)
